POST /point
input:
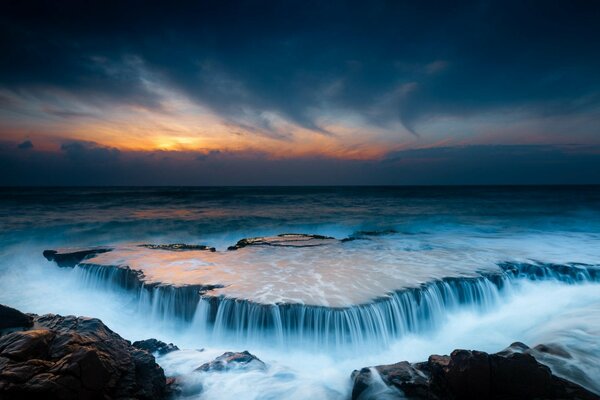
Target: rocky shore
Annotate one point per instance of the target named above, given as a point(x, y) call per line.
point(513, 373)
point(66, 357)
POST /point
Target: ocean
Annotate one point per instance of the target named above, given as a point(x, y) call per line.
point(487, 265)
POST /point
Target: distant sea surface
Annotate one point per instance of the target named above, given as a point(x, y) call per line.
point(219, 215)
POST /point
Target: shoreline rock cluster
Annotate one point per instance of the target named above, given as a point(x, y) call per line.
point(66, 357)
point(469, 374)
point(55, 357)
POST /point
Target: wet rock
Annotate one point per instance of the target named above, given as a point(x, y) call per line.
point(69, 259)
point(552, 349)
point(11, 319)
point(465, 374)
point(71, 358)
point(366, 234)
point(155, 346)
point(178, 247)
point(284, 240)
point(230, 360)
point(362, 380)
point(175, 386)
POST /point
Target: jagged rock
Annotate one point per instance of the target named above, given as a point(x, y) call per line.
point(67, 258)
point(178, 247)
point(73, 358)
point(155, 346)
point(509, 374)
point(11, 319)
point(231, 360)
point(284, 240)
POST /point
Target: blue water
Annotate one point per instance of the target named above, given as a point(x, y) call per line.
point(534, 224)
point(213, 215)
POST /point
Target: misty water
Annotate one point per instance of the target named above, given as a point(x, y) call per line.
point(403, 238)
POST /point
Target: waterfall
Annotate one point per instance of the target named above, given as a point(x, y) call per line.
point(412, 310)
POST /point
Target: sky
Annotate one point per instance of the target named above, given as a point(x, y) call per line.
point(299, 92)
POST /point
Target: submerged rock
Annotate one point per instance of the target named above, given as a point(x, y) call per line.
point(178, 247)
point(11, 319)
point(68, 258)
point(230, 360)
point(73, 358)
point(509, 374)
point(284, 240)
point(155, 346)
point(367, 234)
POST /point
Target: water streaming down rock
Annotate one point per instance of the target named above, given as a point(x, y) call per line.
point(411, 310)
point(163, 301)
point(406, 311)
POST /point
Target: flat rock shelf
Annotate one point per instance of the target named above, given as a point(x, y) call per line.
point(325, 291)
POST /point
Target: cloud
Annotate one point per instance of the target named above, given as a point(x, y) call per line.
point(243, 60)
point(88, 164)
point(207, 155)
point(89, 153)
point(26, 145)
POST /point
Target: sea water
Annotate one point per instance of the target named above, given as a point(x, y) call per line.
point(413, 235)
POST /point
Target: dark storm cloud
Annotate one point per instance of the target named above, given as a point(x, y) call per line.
point(208, 155)
point(88, 164)
point(89, 153)
point(26, 145)
point(385, 61)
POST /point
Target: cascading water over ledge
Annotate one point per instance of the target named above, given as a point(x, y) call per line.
point(414, 309)
point(411, 310)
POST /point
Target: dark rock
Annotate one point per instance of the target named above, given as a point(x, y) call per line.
point(231, 360)
point(11, 319)
point(366, 234)
point(406, 377)
point(553, 349)
point(362, 380)
point(284, 240)
point(73, 358)
point(72, 258)
point(155, 346)
point(509, 374)
point(178, 247)
point(175, 386)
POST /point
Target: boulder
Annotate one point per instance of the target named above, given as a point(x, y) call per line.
point(465, 374)
point(230, 360)
point(11, 319)
point(74, 358)
point(155, 346)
